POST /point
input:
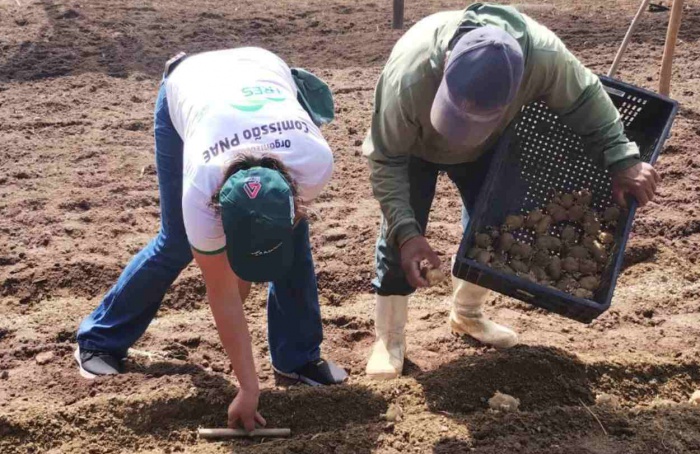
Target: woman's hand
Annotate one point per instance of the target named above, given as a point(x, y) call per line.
point(243, 411)
point(225, 293)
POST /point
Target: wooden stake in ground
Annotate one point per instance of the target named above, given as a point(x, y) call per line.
point(671, 35)
point(626, 40)
point(594, 417)
point(220, 434)
point(398, 14)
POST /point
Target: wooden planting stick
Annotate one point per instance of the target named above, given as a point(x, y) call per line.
point(626, 40)
point(671, 35)
point(214, 434)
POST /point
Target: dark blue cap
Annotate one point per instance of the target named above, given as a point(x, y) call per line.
point(482, 76)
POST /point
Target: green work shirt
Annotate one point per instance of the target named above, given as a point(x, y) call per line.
point(405, 91)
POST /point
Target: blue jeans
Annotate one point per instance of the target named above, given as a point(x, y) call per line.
point(468, 177)
point(295, 331)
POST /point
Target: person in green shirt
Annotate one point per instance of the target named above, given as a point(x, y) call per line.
point(452, 85)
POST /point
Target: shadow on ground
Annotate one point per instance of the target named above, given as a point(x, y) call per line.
point(558, 413)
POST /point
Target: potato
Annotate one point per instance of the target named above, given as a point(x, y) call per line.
point(560, 216)
point(589, 216)
point(570, 264)
point(589, 282)
point(498, 257)
point(554, 268)
point(526, 251)
point(393, 414)
point(505, 242)
point(544, 224)
point(567, 284)
point(483, 240)
point(519, 266)
point(515, 250)
point(548, 243)
point(540, 274)
point(611, 214)
point(587, 267)
point(583, 293)
point(493, 232)
point(553, 206)
point(533, 217)
point(607, 400)
point(503, 402)
point(513, 222)
point(587, 242)
point(578, 252)
point(599, 253)
point(557, 212)
point(583, 197)
point(521, 250)
point(542, 242)
point(498, 263)
point(483, 257)
point(529, 276)
point(575, 213)
point(473, 252)
point(569, 234)
point(555, 243)
point(434, 276)
point(567, 200)
point(591, 227)
point(606, 238)
point(542, 258)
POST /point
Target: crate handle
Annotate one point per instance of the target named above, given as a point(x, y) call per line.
point(524, 293)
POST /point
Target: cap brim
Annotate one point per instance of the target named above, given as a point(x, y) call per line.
point(459, 127)
point(267, 267)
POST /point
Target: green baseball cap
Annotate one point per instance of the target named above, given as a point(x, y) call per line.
point(257, 210)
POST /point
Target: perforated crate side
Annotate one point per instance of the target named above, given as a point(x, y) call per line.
point(537, 154)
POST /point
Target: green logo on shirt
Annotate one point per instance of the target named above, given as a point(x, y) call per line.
point(254, 98)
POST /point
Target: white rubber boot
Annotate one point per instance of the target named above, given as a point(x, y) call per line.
point(466, 316)
point(386, 360)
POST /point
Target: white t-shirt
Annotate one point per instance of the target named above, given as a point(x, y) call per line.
point(228, 102)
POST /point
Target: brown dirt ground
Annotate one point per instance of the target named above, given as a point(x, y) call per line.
point(78, 197)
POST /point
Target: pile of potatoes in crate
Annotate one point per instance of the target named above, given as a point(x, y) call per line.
point(571, 244)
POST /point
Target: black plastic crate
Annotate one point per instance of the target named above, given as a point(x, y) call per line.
point(539, 154)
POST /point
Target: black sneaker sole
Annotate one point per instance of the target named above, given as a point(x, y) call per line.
point(304, 379)
point(298, 377)
point(83, 372)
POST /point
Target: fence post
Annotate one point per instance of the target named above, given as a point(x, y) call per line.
point(398, 14)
